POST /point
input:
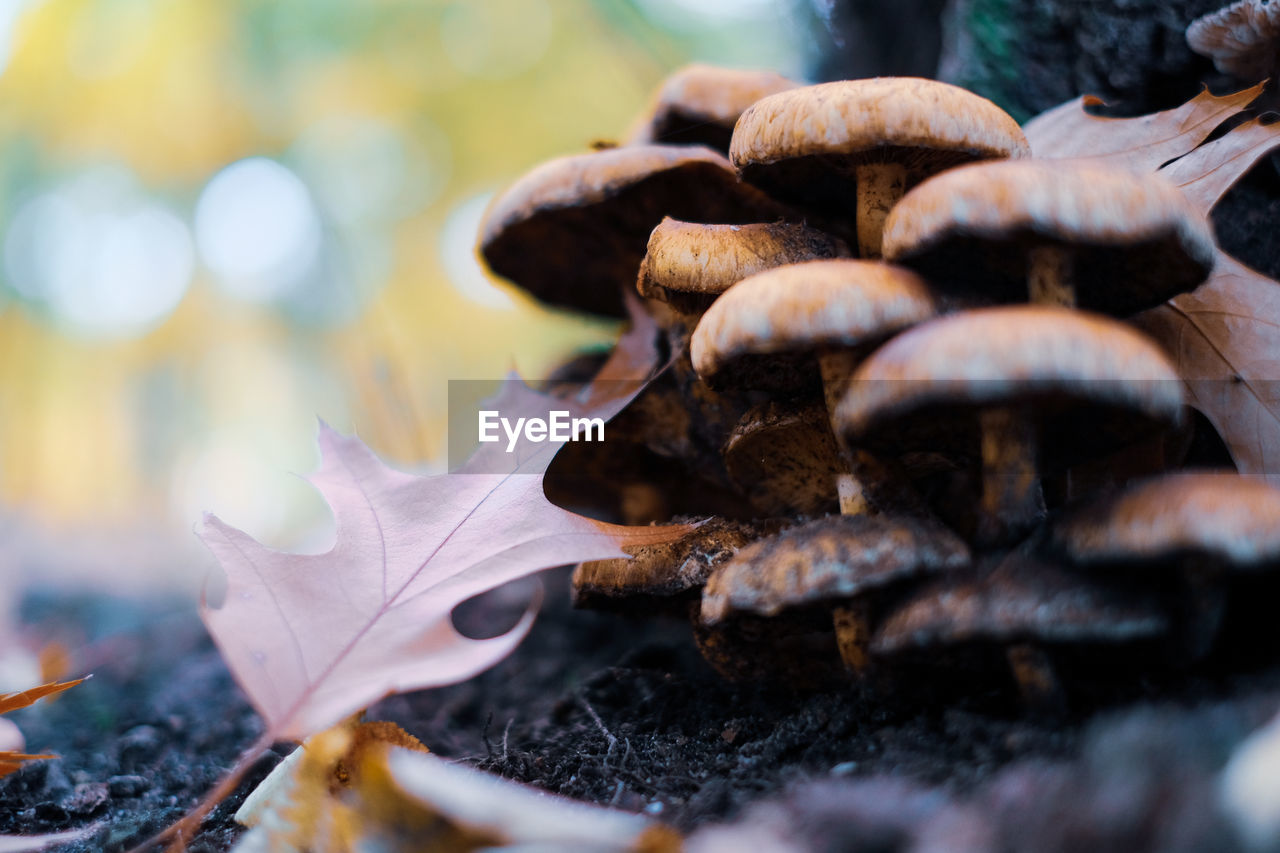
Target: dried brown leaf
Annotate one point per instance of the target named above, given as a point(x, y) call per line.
point(1224, 338)
point(1143, 143)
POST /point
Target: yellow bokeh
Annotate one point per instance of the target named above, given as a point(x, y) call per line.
point(398, 117)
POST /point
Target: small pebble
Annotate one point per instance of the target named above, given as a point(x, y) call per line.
point(86, 798)
point(127, 786)
point(845, 768)
point(654, 808)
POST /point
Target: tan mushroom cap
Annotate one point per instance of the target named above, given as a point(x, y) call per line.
point(1020, 600)
point(928, 383)
point(927, 125)
point(831, 559)
point(572, 232)
point(764, 331)
point(1242, 39)
point(1232, 519)
point(689, 264)
point(1135, 238)
point(666, 570)
point(700, 104)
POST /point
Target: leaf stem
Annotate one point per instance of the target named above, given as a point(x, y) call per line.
point(178, 834)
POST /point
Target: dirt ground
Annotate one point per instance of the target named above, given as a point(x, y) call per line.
point(624, 712)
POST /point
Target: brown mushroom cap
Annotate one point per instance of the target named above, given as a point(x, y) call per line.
point(784, 459)
point(834, 558)
point(1091, 382)
point(700, 104)
point(1231, 519)
point(803, 144)
point(667, 570)
point(1020, 600)
point(764, 331)
point(1135, 239)
point(1242, 39)
point(689, 264)
point(572, 232)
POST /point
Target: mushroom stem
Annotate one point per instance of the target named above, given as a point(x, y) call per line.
point(1204, 600)
point(880, 186)
point(1037, 681)
point(1051, 277)
point(836, 367)
point(853, 635)
point(1012, 500)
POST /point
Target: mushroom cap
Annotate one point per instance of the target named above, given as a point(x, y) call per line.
point(700, 104)
point(1022, 599)
point(784, 458)
point(764, 331)
point(1092, 382)
point(804, 143)
point(1228, 518)
point(1135, 239)
point(1242, 39)
point(831, 559)
point(572, 231)
point(689, 264)
point(668, 569)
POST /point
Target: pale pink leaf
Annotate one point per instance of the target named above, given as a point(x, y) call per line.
point(314, 638)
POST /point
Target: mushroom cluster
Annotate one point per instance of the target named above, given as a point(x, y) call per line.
point(901, 385)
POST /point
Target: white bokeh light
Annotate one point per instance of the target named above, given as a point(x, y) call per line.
point(458, 254)
point(257, 229)
point(363, 170)
point(99, 255)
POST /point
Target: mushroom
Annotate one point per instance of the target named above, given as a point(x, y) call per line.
point(699, 105)
point(667, 573)
point(689, 264)
point(869, 140)
point(784, 458)
point(572, 232)
point(1073, 234)
point(1242, 39)
point(1025, 606)
point(838, 567)
point(1199, 526)
point(798, 326)
point(1000, 384)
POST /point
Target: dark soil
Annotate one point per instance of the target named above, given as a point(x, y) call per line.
point(624, 712)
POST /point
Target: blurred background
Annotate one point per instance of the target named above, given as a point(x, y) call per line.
point(222, 219)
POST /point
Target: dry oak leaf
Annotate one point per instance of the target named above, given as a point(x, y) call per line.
point(12, 760)
point(1144, 143)
point(314, 638)
point(1224, 336)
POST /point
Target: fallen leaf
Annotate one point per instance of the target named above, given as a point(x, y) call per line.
point(1224, 338)
point(1225, 335)
point(1143, 143)
point(1208, 172)
point(314, 638)
point(396, 804)
point(11, 760)
point(518, 816)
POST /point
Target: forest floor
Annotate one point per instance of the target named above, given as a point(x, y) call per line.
point(624, 712)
